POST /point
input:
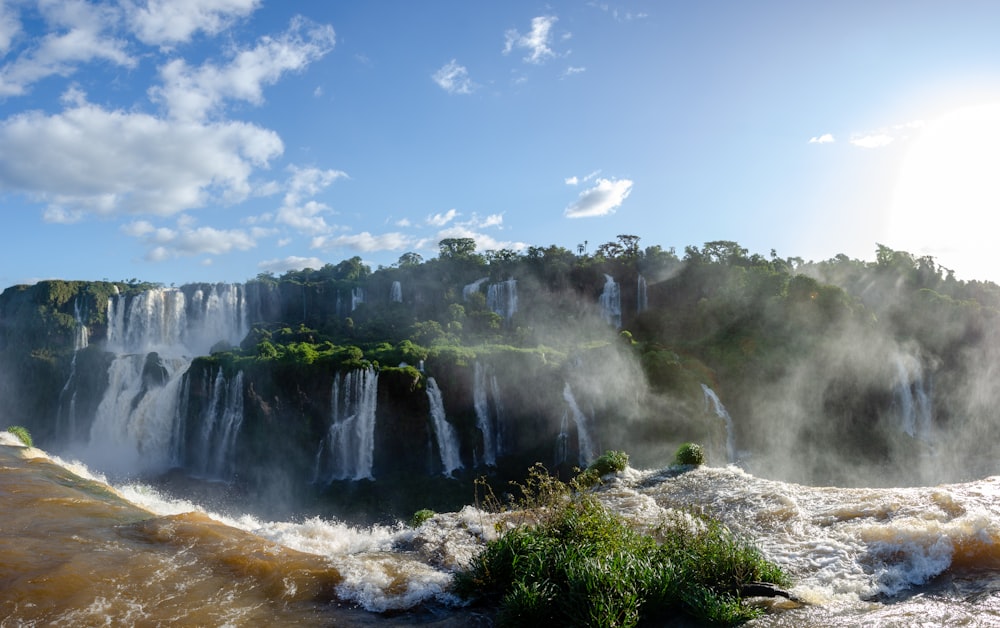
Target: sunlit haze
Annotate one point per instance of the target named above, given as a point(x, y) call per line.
point(215, 140)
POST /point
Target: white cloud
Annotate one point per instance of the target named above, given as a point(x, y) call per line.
point(454, 78)
point(573, 70)
point(493, 220)
point(193, 93)
point(10, 27)
point(365, 242)
point(292, 262)
point(874, 140)
point(186, 240)
point(403, 222)
point(105, 162)
point(826, 138)
point(601, 199)
point(484, 242)
point(574, 180)
point(536, 42)
point(165, 22)
point(306, 215)
point(440, 220)
point(78, 35)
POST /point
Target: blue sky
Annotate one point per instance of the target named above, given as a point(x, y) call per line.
point(211, 140)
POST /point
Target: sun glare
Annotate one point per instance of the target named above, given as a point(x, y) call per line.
point(947, 197)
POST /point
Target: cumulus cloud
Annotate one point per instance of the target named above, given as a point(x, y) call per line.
point(440, 220)
point(484, 242)
point(79, 34)
point(193, 93)
point(573, 70)
point(10, 26)
point(166, 22)
point(874, 140)
point(105, 162)
point(187, 240)
point(365, 242)
point(602, 199)
point(826, 138)
point(301, 214)
point(453, 78)
point(292, 262)
point(535, 42)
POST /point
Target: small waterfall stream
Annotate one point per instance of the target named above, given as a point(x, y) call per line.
point(611, 302)
point(347, 453)
point(714, 405)
point(585, 445)
point(444, 432)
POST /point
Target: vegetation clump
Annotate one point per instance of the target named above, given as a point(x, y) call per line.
point(420, 517)
point(609, 462)
point(22, 434)
point(571, 561)
point(689, 454)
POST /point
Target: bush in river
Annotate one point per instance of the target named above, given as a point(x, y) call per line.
point(689, 454)
point(22, 434)
point(573, 562)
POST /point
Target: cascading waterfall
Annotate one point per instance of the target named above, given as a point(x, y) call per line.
point(714, 404)
point(155, 334)
point(220, 424)
point(396, 293)
point(488, 416)
point(641, 297)
point(471, 288)
point(349, 447)
point(444, 432)
point(501, 298)
point(912, 396)
point(66, 418)
point(587, 450)
point(357, 297)
point(611, 302)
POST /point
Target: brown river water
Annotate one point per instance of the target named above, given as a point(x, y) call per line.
point(75, 551)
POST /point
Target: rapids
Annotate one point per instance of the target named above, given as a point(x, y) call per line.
point(77, 551)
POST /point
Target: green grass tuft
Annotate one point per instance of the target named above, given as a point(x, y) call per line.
point(22, 434)
point(421, 516)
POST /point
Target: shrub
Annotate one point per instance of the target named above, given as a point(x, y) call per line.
point(421, 516)
point(573, 562)
point(609, 462)
point(689, 454)
point(22, 434)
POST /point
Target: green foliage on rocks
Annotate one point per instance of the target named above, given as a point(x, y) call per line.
point(689, 454)
point(568, 560)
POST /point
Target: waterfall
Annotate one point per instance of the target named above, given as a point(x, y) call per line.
point(714, 405)
point(173, 322)
point(350, 441)
point(912, 397)
point(641, 298)
point(220, 424)
point(357, 297)
point(502, 298)
point(587, 450)
point(488, 416)
point(611, 302)
point(66, 412)
point(447, 439)
point(396, 293)
point(134, 423)
point(470, 289)
point(154, 335)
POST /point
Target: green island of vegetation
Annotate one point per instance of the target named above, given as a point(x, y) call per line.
point(562, 558)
